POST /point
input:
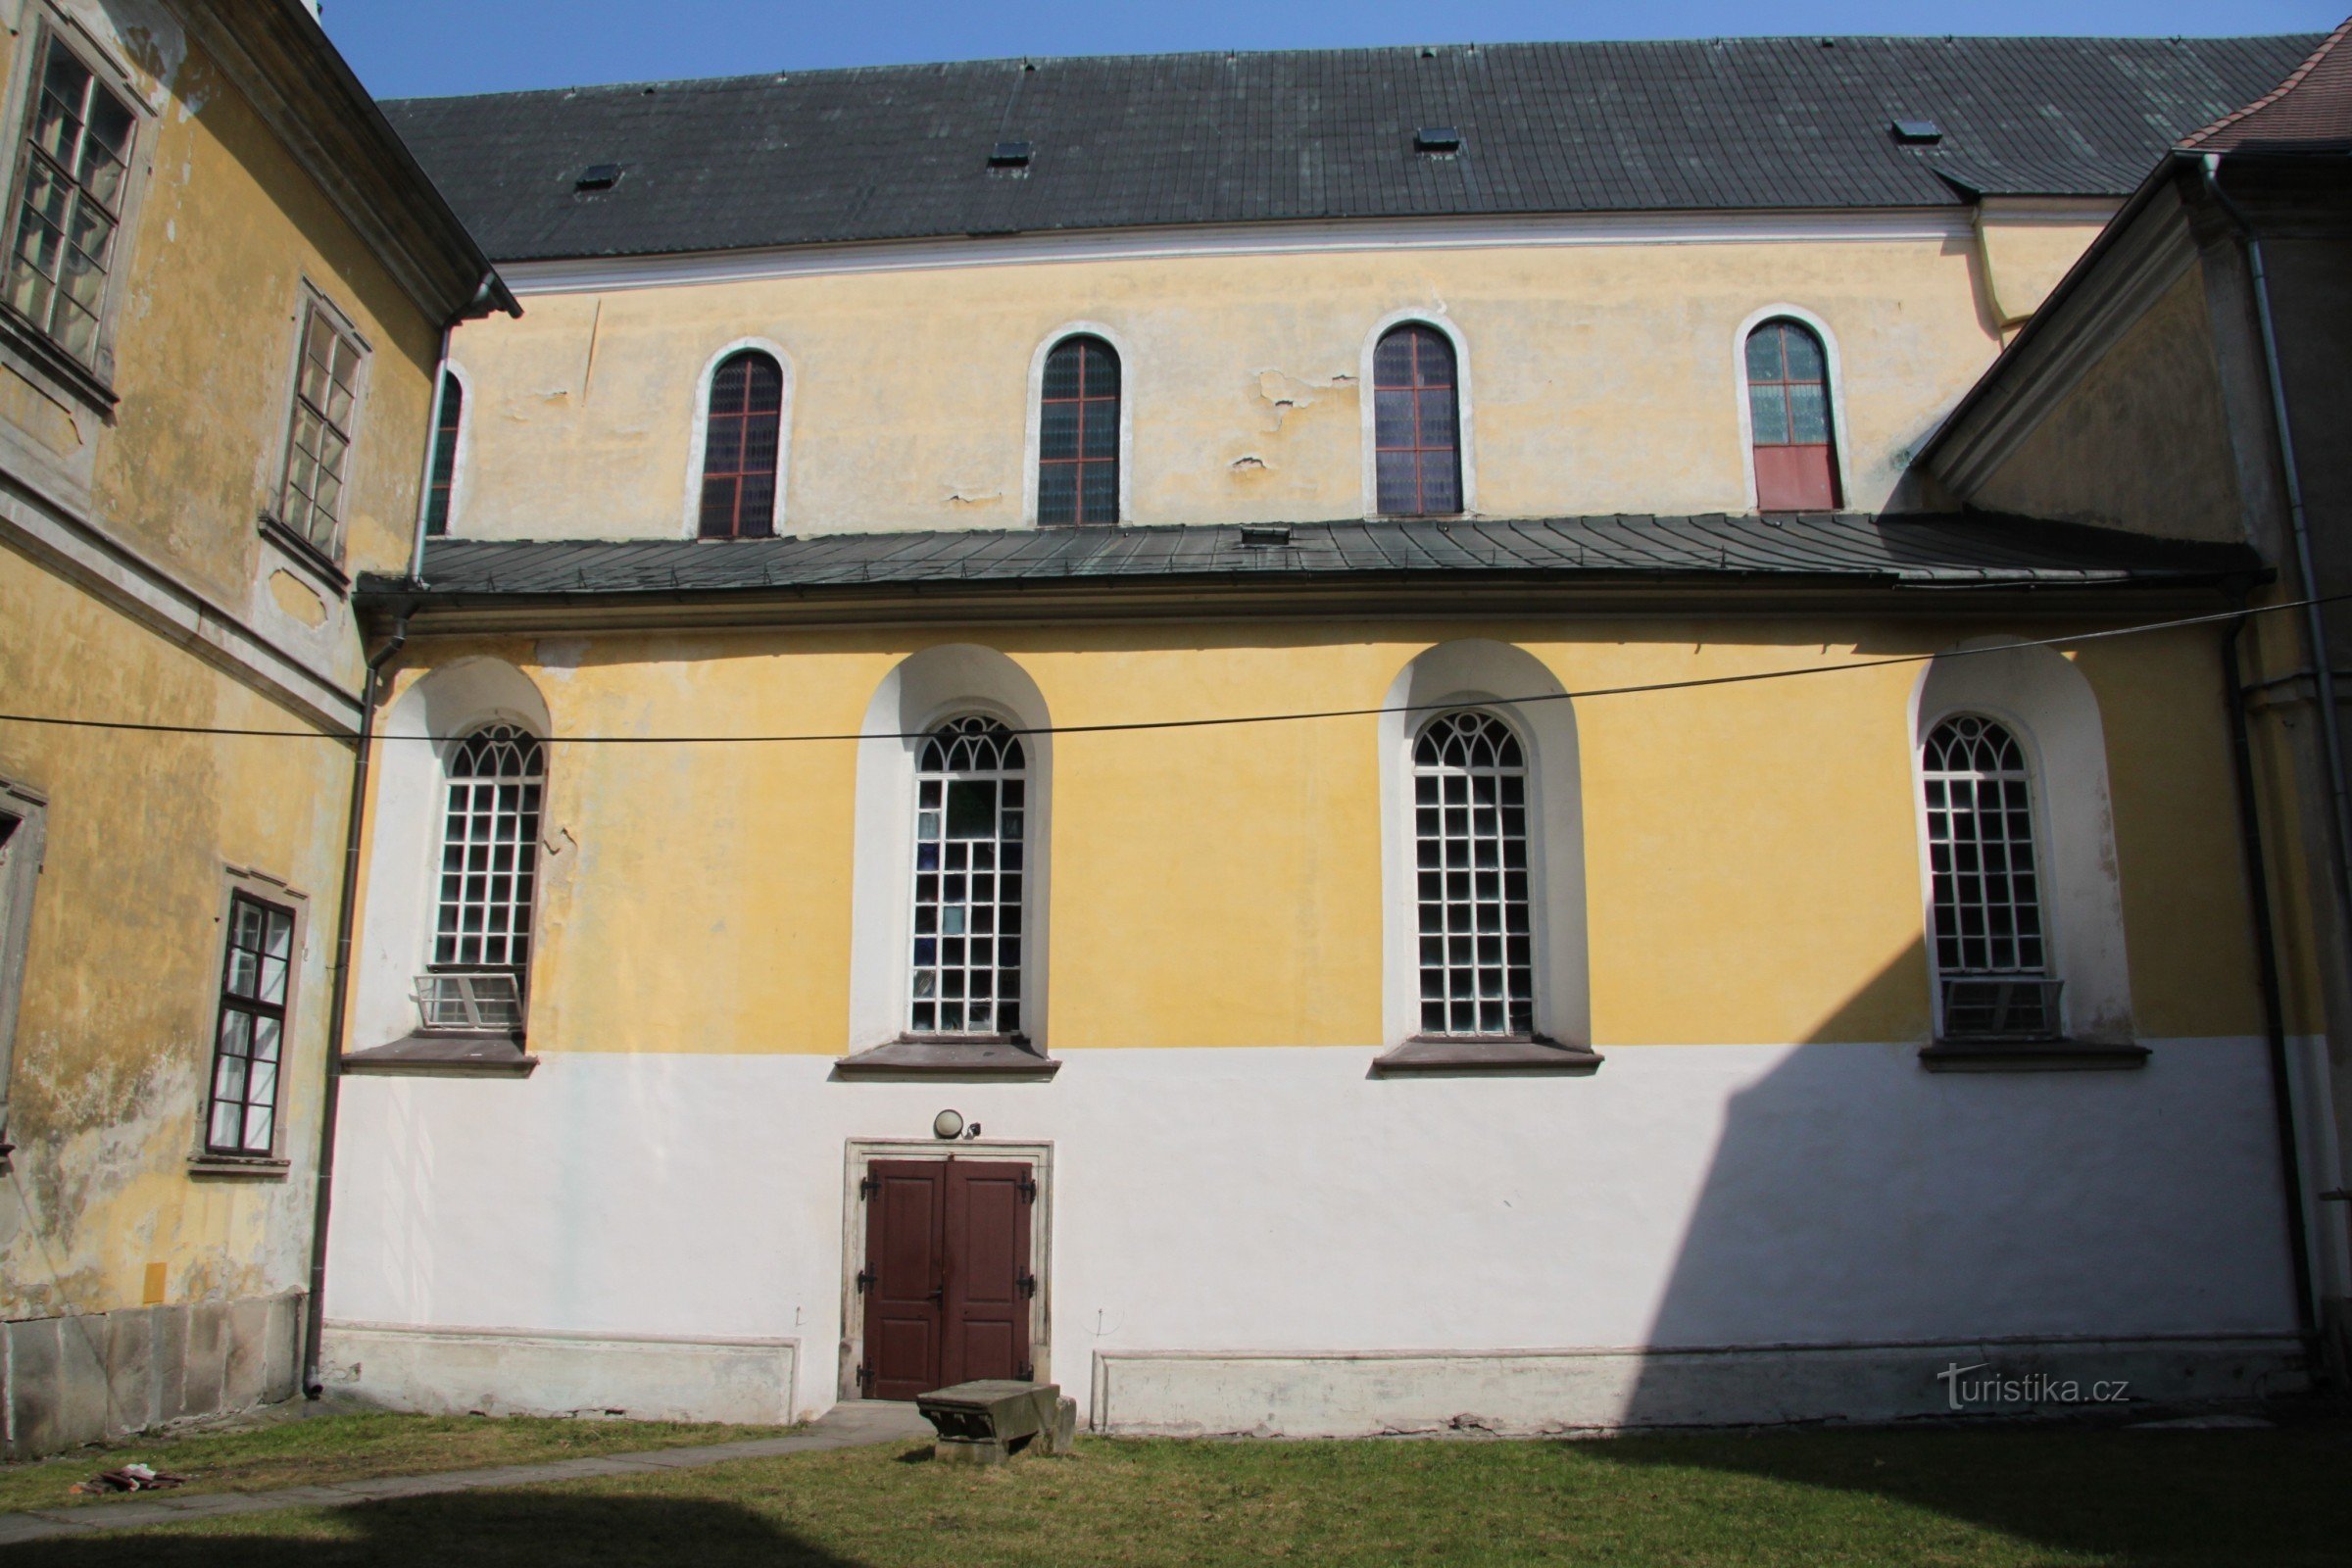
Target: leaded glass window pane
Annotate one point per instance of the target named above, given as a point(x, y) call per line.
point(743, 439)
point(1416, 432)
point(971, 808)
point(490, 850)
point(1982, 857)
point(1470, 840)
point(1078, 434)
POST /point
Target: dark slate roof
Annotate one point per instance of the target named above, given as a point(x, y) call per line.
point(897, 152)
point(1922, 551)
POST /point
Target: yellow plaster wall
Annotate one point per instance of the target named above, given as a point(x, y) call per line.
point(1602, 380)
point(114, 1035)
point(228, 229)
point(2141, 441)
point(1752, 851)
point(2026, 252)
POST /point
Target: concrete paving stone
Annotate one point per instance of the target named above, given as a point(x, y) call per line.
point(16, 1527)
point(124, 1516)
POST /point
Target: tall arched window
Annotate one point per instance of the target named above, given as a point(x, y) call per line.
point(1416, 423)
point(743, 434)
point(972, 809)
point(490, 852)
point(1789, 419)
point(1471, 865)
point(1991, 956)
point(444, 480)
point(1078, 434)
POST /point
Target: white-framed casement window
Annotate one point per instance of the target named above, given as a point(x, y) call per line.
point(1989, 937)
point(249, 1033)
point(479, 968)
point(1471, 888)
point(72, 187)
point(971, 880)
point(322, 426)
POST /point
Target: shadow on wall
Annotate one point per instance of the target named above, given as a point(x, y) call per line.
point(466, 1528)
point(1856, 1199)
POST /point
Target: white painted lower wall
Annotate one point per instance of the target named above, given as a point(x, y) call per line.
point(447, 1371)
point(1773, 1201)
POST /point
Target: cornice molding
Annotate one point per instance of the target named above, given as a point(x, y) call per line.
point(360, 174)
point(2023, 387)
point(154, 597)
point(599, 275)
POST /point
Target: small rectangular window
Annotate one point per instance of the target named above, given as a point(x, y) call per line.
point(444, 478)
point(326, 392)
point(71, 177)
point(249, 1037)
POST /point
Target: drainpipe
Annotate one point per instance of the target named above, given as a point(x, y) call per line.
point(339, 1002)
point(2315, 625)
point(2273, 1006)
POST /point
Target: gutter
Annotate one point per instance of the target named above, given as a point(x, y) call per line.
point(339, 1002)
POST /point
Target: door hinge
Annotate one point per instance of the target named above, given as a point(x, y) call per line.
point(865, 1380)
point(870, 1186)
point(1028, 1189)
point(865, 1280)
point(1028, 1285)
point(1027, 1373)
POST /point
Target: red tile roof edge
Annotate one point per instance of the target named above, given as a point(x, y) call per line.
point(2321, 88)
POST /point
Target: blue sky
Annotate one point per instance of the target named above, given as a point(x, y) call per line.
point(411, 47)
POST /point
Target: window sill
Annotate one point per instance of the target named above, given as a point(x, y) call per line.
point(991, 1058)
point(1429, 1056)
point(244, 1167)
point(306, 555)
point(2032, 1055)
point(445, 1055)
point(66, 372)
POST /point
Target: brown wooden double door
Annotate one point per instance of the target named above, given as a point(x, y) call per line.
point(946, 1283)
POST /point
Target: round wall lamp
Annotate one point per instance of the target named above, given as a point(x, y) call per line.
point(948, 1124)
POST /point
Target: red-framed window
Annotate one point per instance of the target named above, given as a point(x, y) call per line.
point(1078, 434)
point(743, 435)
point(1416, 423)
point(1789, 419)
point(445, 454)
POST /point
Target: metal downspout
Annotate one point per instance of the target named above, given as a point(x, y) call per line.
point(338, 1002)
point(2315, 625)
point(2273, 1004)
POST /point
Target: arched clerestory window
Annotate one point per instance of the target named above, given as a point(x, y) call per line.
point(1795, 446)
point(1990, 945)
point(1470, 831)
point(743, 435)
point(1416, 423)
point(448, 419)
point(1078, 433)
point(971, 876)
point(496, 777)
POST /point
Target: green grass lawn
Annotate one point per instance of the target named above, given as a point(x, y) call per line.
point(1976, 1498)
point(351, 1446)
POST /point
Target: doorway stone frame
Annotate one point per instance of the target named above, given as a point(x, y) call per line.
point(861, 1153)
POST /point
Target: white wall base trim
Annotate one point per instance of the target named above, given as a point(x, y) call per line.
point(1191, 1394)
point(453, 1371)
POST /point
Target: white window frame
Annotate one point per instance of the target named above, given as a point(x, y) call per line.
point(1020, 970)
point(313, 302)
point(1033, 442)
point(691, 525)
point(1835, 372)
point(1465, 407)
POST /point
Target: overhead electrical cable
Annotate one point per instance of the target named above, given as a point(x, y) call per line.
point(137, 726)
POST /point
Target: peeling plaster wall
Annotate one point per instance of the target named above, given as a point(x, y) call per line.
point(1604, 374)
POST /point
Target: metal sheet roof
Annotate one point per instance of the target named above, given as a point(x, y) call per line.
point(1922, 550)
point(903, 150)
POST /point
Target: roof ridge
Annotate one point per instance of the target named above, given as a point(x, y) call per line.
point(2294, 78)
point(1458, 46)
